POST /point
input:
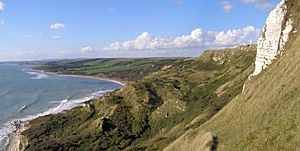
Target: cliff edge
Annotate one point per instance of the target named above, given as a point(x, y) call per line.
point(275, 35)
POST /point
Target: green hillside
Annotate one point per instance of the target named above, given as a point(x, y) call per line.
point(123, 69)
point(266, 115)
point(152, 112)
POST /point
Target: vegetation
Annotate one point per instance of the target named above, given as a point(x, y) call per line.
point(125, 69)
point(191, 104)
point(149, 113)
point(266, 115)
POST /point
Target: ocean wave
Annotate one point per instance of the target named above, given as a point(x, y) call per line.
point(38, 75)
point(67, 104)
point(115, 82)
point(22, 108)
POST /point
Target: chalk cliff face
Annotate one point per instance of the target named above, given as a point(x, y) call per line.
point(274, 37)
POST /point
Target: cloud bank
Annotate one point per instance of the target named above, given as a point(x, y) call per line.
point(197, 39)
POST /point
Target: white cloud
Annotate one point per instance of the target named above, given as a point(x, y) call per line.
point(57, 37)
point(197, 39)
point(227, 6)
point(234, 37)
point(2, 6)
point(87, 49)
point(261, 4)
point(57, 26)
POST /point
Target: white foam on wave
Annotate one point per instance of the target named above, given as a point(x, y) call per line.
point(63, 105)
point(38, 75)
point(115, 82)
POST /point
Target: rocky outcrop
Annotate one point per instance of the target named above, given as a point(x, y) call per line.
point(274, 37)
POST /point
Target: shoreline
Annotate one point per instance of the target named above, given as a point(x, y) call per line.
point(16, 140)
point(121, 82)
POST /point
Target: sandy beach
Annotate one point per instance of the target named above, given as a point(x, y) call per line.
point(122, 82)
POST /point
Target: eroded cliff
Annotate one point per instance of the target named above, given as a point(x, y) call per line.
point(274, 37)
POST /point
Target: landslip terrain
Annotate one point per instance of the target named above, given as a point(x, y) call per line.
point(151, 112)
point(243, 98)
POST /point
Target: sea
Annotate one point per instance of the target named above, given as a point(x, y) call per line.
point(26, 94)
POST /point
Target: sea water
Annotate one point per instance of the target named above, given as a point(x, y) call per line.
point(26, 94)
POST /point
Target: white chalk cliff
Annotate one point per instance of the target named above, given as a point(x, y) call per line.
point(274, 37)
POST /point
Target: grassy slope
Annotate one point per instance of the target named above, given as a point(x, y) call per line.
point(152, 112)
point(266, 115)
point(125, 69)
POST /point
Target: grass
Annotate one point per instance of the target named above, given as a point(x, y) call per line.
point(195, 103)
point(152, 112)
point(266, 115)
point(127, 69)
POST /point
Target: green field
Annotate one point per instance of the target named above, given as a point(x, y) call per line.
point(125, 69)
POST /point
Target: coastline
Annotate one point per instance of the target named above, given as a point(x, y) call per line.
point(122, 82)
point(17, 142)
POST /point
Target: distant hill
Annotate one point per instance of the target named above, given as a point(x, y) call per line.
point(122, 69)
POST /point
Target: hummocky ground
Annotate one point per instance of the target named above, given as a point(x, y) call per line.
point(191, 104)
point(266, 115)
point(152, 112)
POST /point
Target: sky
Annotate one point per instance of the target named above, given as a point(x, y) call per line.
point(51, 29)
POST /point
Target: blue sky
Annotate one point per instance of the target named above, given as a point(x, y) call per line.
point(132, 28)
